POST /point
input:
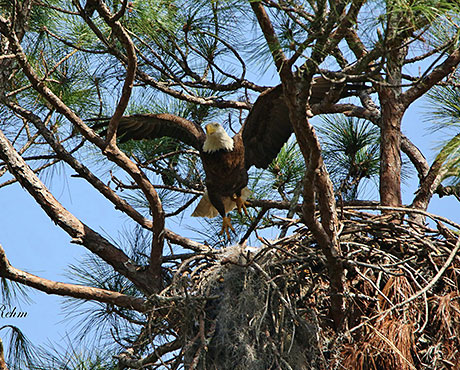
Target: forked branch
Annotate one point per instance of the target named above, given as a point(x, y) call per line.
point(131, 68)
point(80, 233)
point(317, 184)
point(112, 152)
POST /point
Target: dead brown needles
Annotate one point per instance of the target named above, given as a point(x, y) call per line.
point(267, 307)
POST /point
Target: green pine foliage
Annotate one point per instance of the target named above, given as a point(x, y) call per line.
point(20, 352)
point(443, 115)
point(444, 110)
point(351, 153)
point(72, 357)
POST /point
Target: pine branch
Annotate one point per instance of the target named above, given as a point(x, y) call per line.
point(80, 233)
point(70, 290)
point(112, 152)
point(440, 72)
point(269, 33)
point(125, 40)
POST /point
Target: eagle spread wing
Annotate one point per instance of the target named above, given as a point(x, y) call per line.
point(265, 131)
point(268, 127)
point(151, 126)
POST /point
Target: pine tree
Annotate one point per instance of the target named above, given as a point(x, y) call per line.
point(330, 269)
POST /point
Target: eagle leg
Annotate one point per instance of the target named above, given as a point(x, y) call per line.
point(240, 204)
point(226, 224)
point(217, 202)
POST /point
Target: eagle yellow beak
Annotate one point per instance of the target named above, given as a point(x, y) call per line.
point(210, 129)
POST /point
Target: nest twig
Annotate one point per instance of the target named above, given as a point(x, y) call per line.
point(266, 308)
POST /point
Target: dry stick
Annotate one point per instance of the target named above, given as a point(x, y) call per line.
point(69, 290)
point(112, 152)
point(271, 283)
point(253, 225)
point(80, 233)
point(374, 286)
point(407, 210)
point(9, 56)
point(106, 191)
point(420, 292)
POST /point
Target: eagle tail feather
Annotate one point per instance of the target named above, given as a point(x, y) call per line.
point(206, 209)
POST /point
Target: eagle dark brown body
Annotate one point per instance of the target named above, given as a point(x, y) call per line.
point(226, 173)
point(266, 129)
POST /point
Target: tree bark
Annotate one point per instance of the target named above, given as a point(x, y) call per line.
point(2, 357)
point(81, 233)
point(390, 153)
point(70, 290)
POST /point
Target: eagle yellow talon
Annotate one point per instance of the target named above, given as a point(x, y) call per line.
point(240, 205)
point(226, 224)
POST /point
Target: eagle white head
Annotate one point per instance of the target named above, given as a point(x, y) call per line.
point(216, 138)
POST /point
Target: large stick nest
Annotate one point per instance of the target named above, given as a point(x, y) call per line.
point(267, 307)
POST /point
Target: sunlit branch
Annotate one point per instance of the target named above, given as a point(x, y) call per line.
point(69, 290)
point(426, 83)
point(131, 61)
point(80, 233)
point(269, 33)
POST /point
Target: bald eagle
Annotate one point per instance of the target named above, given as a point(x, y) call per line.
point(226, 160)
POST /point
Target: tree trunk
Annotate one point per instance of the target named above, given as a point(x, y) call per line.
point(2, 357)
point(390, 90)
point(390, 153)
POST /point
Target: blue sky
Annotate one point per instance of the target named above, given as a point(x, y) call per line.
point(35, 244)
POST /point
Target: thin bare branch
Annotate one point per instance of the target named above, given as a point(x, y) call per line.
point(80, 233)
point(69, 290)
point(131, 68)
